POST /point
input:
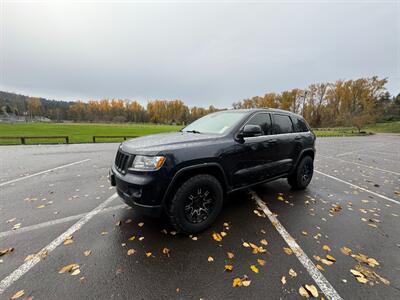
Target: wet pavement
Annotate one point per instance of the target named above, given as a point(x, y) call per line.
point(347, 219)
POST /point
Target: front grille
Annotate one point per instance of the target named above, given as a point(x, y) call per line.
point(121, 161)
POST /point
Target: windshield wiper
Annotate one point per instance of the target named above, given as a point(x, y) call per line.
point(192, 131)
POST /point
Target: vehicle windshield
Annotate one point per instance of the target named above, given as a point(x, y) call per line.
point(216, 123)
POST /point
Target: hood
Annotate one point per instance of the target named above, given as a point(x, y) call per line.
point(152, 144)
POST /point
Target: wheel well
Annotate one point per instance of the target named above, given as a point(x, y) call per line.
point(307, 153)
point(185, 175)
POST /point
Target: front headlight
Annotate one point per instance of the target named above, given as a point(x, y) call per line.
point(147, 163)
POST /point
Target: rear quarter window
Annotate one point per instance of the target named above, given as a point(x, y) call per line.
point(299, 125)
point(282, 124)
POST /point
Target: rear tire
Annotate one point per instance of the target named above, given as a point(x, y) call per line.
point(302, 176)
point(196, 204)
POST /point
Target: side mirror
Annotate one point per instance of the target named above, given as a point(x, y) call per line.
point(251, 130)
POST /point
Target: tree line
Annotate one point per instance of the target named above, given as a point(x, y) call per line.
point(340, 103)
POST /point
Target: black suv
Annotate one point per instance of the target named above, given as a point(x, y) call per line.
point(187, 174)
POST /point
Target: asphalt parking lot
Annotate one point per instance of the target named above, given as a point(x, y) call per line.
point(341, 235)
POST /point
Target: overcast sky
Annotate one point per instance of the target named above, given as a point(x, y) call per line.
point(200, 52)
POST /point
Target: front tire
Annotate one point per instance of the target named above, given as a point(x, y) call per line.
point(196, 204)
point(302, 176)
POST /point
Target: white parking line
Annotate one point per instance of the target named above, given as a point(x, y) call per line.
point(25, 267)
point(315, 274)
point(55, 222)
point(358, 187)
point(358, 164)
point(43, 172)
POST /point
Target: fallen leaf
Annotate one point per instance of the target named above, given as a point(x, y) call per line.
point(319, 267)
point(261, 262)
point(312, 289)
point(245, 244)
point(141, 224)
point(128, 221)
point(141, 238)
point(132, 238)
point(18, 294)
point(326, 262)
point(41, 206)
point(118, 223)
point(304, 233)
point(104, 233)
point(75, 272)
point(210, 259)
point(372, 262)
point(362, 279)
point(223, 233)
point(345, 250)
point(230, 254)
point(68, 240)
point(87, 252)
point(236, 282)
point(292, 273)
point(228, 268)
point(288, 251)
point(264, 242)
point(246, 282)
point(148, 254)
point(166, 251)
point(68, 268)
point(17, 226)
point(283, 280)
point(254, 268)
point(6, 251)
point(131, 251)
point(326, 248)
point(217, 237)
point(331, 258)
point(303, 292)
point(280, 198)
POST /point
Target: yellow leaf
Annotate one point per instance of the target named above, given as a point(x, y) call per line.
point(303, 292)
point(141, 224)
point(132, 238)
point(319, 267)
point(148, 254)
point(264, 242)
point(75, 272)
point(210, 259)
point(283, 279)
point(261, 262)
point(304, 232)
point(217, 237)
point(326, 262)
point(141, 238)
point(254, 268)
point(245, 244)
point(236, 282)
point(68, 268)
point(372, 262)
point(131, 251)
point(280, 198)
point(68, 240)
point(330, 257)
point(104, 233)
point(345, 250)
point(362, 279)
point(356, 273)
point(18, 294)
point(223, 233)
point(87, 252)
point(41, 206)
point(230, 254)
point(326, 248)
point(312, 289)
point(292, 273)
point(228, 268)
point(288, 251)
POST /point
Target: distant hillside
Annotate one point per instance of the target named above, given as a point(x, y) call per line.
point(25, 105)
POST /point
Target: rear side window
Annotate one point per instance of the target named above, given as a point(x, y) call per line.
point(299, 125)
point(282, 124)
point(262, 120)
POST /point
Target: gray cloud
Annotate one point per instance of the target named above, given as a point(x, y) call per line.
point(202, 53)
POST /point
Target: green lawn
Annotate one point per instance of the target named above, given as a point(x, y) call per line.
point(78, 132)
point(83, 132)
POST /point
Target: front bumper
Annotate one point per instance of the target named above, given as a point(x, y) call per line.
point(143, 192)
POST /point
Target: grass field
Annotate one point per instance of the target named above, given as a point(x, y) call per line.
point(78, 132)
point(83, 132)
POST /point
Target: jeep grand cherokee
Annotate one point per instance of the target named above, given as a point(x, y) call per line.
point(187, 174)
